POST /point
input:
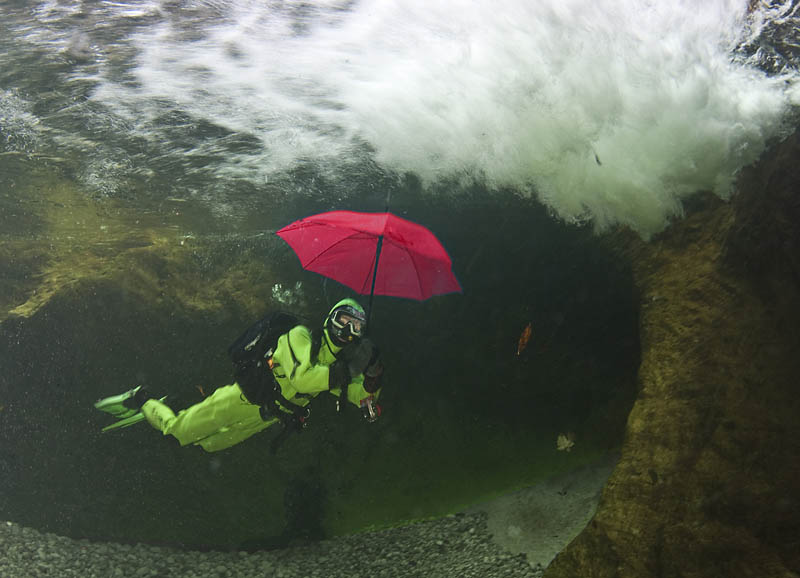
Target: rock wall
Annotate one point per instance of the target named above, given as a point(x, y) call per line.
point(709, 479)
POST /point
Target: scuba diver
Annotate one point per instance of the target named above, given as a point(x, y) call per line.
point(278, 371)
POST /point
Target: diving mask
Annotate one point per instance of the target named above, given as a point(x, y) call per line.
point(348, 323)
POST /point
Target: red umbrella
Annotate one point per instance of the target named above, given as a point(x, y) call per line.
point(345, 246)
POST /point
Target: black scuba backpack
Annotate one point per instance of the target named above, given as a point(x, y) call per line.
point(251, 351)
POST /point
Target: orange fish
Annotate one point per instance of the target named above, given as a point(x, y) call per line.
point(524, 337)
point(200, 389)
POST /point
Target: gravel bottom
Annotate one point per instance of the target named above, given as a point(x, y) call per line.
point(458, 546)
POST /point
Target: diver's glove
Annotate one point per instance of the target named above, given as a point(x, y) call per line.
point(358, 356)
point(338, 374)
point(355, 359)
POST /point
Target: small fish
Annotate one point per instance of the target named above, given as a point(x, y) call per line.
point(565, 442)
point(524, 337)
point(200, 389)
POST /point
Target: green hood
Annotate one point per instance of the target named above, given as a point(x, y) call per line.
point(349, 302)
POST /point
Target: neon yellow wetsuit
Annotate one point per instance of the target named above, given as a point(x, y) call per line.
point(226, 418)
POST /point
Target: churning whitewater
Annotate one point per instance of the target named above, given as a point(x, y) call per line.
point(609, 111)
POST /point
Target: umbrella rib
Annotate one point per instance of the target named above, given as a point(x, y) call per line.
point(342, 240)
point(328, 248)
point(419, 279)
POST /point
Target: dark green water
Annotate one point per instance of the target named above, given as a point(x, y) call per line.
point(465, 417)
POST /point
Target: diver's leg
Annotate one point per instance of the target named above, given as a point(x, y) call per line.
point(219, 421)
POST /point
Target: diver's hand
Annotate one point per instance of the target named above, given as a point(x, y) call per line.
point(338, 374)
point(370, 410)
point(358, 356)
point(355, 359)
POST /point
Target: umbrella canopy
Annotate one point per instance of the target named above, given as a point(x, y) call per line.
point(346, 246)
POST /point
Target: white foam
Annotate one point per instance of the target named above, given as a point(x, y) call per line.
point(20, 129)
point(610, 110)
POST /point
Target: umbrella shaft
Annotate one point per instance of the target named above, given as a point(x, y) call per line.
point(374, 277)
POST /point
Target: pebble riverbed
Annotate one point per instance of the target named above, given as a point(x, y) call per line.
point(456, 546)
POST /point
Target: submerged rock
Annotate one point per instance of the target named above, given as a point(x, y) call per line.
point(709, 477)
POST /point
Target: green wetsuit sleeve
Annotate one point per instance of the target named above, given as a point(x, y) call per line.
point(294, 367)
